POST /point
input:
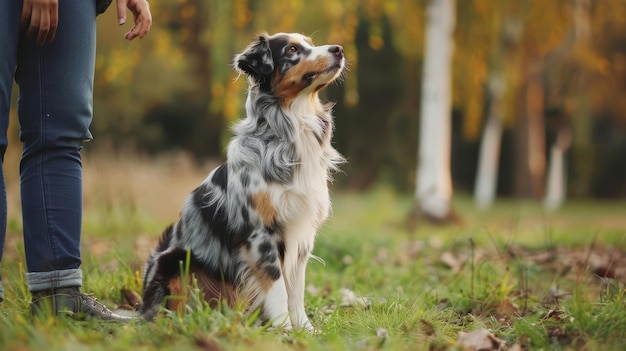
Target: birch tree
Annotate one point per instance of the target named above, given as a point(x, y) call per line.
point(490, 143)
point(489, 154)
point(556, 182)
point(434, 181)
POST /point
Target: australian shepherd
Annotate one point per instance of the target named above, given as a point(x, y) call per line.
point(247, 232)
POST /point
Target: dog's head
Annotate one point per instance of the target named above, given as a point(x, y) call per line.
point(287, 65)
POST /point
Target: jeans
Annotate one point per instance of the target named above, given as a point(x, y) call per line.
point(55, 106)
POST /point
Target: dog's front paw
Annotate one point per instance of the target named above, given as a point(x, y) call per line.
point(307, 326)
point(280, 324)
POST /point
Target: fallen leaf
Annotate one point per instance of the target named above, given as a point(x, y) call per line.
point(451, 260)
point(480, 340)
point(347, 260)
point(329, 309)
point(435, 242)
point(349, 299)
point(131, 297)
point(604, 271)
point(382, 333)
point(413, 249)
point(428, 327)
point(553, 314)
point(207, 344)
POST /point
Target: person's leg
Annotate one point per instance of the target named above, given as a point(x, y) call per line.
point(9, 34)
point(55, 109)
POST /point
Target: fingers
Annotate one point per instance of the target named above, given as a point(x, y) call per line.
point(41, 18)
point(44, 27)
point(27, 9)
point(54, 23)
point(121, 11)
point(143, 19)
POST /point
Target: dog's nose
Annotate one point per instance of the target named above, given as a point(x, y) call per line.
point(337, 50)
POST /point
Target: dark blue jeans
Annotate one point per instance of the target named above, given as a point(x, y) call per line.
point(55, 101)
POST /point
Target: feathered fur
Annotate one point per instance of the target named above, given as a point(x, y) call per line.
point(251, 225)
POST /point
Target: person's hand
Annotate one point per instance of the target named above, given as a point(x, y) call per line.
point(141, 13)
point(41, 17)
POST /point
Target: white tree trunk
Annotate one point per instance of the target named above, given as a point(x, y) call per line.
point(489, 154)
point(434, 182)
point(555, 187)
point(556, 184)
point(557, 174)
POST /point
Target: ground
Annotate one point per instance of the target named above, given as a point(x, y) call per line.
point(511, 278)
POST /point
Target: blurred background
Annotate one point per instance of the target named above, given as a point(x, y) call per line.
point(546, 80)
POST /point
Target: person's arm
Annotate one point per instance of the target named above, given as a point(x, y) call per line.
point(41, 17)
point(142, 17)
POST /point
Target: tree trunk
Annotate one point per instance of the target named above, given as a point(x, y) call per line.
point(489, 154)
point(434, 181)
point(530, 144)
point(557, 175)
point(556, 183)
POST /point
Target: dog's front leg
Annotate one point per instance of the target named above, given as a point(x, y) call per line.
point(295, 291)
point(296, 301)
point(275, 306)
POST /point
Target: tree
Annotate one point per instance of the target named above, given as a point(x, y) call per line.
point(556, 182)
point(507, 34)
point(434, 182)
point(489, 154)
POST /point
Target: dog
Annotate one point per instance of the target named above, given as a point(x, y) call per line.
point(247, 232)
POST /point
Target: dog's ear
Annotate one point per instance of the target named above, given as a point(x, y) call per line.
point(256, 60)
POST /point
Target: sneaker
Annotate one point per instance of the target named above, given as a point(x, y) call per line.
point(71, 302)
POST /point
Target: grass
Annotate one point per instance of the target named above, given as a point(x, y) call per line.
point(543, 281)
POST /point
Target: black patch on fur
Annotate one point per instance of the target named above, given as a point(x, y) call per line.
point(220, 177)
point(265, 248)
point(261, 123)
point(273, 272)
point(280, 245)
point(270, 258)
point(166, 239)
point(167, 266)
point(283, 60)
point(217, 220)
point(240, 237)
point(215, 217)
point(256, 61)
point(245, 215)
point(199, 196)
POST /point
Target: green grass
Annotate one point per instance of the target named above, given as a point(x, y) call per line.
point(523, 274)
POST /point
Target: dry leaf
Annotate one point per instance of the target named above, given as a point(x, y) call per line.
point(413, 249)
point(428, 327)
point(451, 260)
point(382, 333)
point(480, 340)
point(207, 344)
point(131, 297)
point(349, 299)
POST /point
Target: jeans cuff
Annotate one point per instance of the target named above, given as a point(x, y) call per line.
point(67, 278)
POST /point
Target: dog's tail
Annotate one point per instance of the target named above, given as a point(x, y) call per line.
point(162, 266)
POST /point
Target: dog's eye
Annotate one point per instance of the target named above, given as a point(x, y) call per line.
point(292, 49)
